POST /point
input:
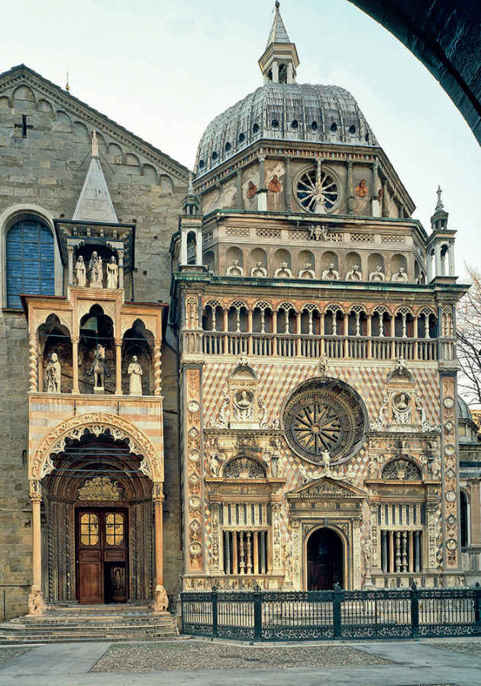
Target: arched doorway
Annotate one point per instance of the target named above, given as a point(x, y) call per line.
point(325, 560)
point(98, 522)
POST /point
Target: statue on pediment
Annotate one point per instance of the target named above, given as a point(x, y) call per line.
point(112, 273)
point(80, 272)
point(96, 271)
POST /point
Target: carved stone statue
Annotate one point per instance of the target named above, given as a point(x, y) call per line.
point(283, 272)
point(307, 272)
point(331, 274)
point(98, 368)
point(401, 275)
point(135, 373)
point(96, 271)
point(355, 274)
point(259, 270)
point(326, 460)
point(377, 275)
point(53, 373)
point(317, 233)
point(235, 269)
point(81, 272)
point(224, 413)
point(112, 274)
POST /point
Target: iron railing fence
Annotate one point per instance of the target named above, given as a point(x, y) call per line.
point(306, 615)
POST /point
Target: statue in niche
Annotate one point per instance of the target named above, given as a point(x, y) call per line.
point(283, 272)
point(96, 271)
point(361, 197)
point(80, 272)
point(331, 274)
point(377, 275)
point(135, 373)
point(259, 270)
point(243, 404)
point(98, 368)
point(307, 272)
point(274, 189)
point(235, 269)
point(112, 274)
point(251, 190)
point(361, 189)
point(355, 274)
point(400, 275)
point(53, 373)
point(223, 418)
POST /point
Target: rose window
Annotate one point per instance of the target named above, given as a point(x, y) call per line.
point(317, 191)
point(324, 416)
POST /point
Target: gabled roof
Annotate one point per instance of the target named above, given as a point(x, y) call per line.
point(326, 487)
point(21, 74)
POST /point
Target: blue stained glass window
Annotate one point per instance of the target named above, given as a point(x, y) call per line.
point(30, 261)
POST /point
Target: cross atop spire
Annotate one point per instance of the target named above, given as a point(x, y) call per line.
point(279, 60)
point(278, 33)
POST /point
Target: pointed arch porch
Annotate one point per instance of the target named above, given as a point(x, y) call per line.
point(137, 456)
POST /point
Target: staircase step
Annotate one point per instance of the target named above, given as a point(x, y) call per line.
point(90, 623)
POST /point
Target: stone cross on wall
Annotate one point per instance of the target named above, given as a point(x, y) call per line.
point(24, 126)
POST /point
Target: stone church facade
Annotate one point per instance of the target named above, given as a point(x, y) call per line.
point(246, 377)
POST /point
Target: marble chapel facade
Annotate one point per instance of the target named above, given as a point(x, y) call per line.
point(248, 377)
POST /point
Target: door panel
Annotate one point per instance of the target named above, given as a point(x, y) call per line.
point(102, 555)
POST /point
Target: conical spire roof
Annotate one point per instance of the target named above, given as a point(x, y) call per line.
point(95, 203)
point(278, 33)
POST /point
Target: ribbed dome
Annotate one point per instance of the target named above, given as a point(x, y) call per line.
point(289, 112)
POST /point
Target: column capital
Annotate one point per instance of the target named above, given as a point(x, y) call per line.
point(158, 491)
point(35, 490)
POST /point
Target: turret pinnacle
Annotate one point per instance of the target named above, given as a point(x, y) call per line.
point(279, 60)
point(439, 220)
point(278, 32)
point(95, 203)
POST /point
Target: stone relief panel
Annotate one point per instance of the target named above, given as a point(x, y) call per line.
point(448, 414)
point(193, 470)
point(274, 173)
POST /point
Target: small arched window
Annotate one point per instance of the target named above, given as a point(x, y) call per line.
point(30, 260)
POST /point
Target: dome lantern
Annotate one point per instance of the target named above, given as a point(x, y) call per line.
point(279, 60)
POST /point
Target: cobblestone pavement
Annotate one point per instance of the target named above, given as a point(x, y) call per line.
point(192, 655)
point(364, 663)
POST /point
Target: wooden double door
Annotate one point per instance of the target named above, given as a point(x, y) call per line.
point(102, 555)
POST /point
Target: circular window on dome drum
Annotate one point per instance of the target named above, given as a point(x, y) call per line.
point(333, 126)
point(352, 129)
point(317, 193)
point(314, 126)
point(201, 163)
point(214, 155)
point(275, 123)
point(227, 147)
point(255, 128)
point(294, 124)
point(325, 415)
point(242, 137)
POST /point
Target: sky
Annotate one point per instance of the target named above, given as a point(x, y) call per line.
point(164, 68)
